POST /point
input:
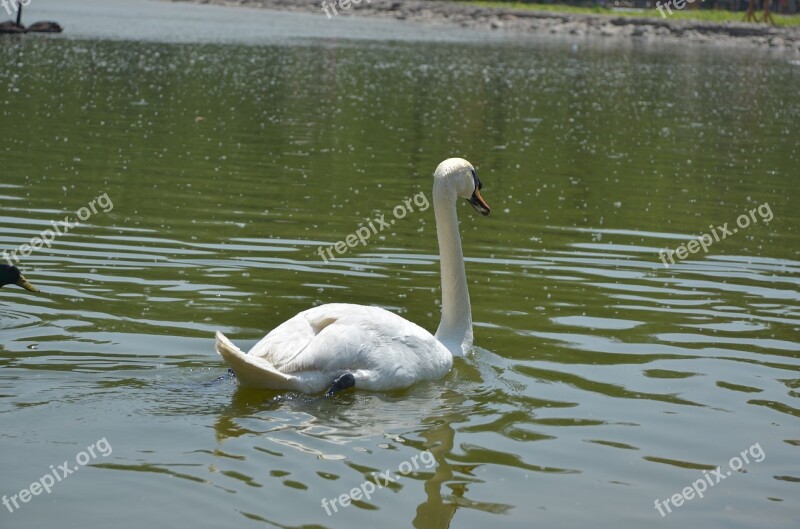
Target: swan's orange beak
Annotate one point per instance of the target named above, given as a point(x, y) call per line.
point(476, 199)
point(479, 203)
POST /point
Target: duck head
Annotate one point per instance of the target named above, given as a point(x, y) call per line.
point(10, 275)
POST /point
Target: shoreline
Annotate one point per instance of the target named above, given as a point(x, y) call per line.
point(547, 22)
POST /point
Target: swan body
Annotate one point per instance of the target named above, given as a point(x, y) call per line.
point(370, 347)
point(379, 348)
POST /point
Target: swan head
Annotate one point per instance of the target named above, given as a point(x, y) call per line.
point(457, 177)
point(10, 275)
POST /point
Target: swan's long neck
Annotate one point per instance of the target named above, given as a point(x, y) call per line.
point(455, 329)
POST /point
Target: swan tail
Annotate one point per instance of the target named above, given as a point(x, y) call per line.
point(253, 371)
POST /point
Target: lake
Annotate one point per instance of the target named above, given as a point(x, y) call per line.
point(210, 153)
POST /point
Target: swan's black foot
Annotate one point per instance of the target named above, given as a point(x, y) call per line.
point(230, 374)
point(343, 382)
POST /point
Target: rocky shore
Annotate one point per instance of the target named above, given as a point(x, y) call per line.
point(541, 22)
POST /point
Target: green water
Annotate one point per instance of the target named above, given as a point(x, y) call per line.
point(601, 380)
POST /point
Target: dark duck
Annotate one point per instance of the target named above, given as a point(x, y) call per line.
point(10, 275)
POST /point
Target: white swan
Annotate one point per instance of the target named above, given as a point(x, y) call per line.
point(340, 345)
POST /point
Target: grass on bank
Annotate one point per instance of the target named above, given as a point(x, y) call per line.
point(700, 15)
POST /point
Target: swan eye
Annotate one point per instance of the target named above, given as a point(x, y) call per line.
point(476, 180)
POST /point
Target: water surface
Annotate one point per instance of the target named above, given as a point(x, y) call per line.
point(601, 379)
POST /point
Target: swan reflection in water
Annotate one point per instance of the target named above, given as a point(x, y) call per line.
point(413, 420)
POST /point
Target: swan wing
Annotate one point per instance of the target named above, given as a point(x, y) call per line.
point(381, 349)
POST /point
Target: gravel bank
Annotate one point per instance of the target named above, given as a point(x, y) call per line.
point(652, 29)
